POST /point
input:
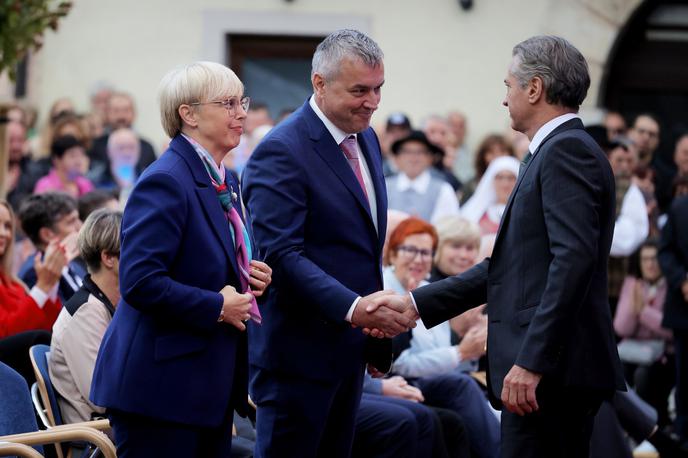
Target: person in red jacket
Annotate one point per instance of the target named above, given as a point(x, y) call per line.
point(20, 309)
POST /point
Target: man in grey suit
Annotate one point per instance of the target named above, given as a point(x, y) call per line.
point(551, 352)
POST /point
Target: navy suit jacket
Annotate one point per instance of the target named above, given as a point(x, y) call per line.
point(165, 355)
point(546, 282)
point(313, 225)
point(27, 273)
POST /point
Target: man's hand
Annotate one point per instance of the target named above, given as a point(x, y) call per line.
point(386, 321)
point(49, 268)
point(261, 277)
point(518, 393)
point(472, 345)
point(398, 387)
point(394, 301)
point(235, 307)
point(684, 289)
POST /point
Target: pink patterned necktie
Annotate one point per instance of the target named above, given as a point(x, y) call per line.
point(351, 153)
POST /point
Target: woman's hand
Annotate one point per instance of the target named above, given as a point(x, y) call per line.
point(398, 387)
point(49, 268)
point(235, 307)
point(261, 277)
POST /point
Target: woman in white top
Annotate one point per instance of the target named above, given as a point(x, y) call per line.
point(431, 361)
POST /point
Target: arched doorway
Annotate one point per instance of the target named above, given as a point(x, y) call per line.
point(647, 71)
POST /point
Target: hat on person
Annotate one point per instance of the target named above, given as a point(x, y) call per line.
point(417, 136)
point(398, 120)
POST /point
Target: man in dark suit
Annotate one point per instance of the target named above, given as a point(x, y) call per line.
point(45, 218)
point(551, 353)
point(673, 258)
point(316, 190)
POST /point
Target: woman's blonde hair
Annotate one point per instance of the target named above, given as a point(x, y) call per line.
point(8, 256)
point(197, 82)
point(100, 232)
point(456, 229)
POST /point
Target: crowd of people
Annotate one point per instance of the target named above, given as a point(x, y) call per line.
point(65, 186)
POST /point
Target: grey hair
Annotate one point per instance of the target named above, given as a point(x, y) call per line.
point(562, 68)
point(340, 44)
point(100, 232)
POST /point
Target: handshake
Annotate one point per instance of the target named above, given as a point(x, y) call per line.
point(384, 314)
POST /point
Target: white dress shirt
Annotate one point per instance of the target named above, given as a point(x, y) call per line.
point(632, 226)
point(339, 136)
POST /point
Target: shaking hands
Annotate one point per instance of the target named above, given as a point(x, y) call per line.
point(384, 314)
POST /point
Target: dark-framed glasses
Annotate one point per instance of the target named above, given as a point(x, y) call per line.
point(411, 252)
point(230, 104)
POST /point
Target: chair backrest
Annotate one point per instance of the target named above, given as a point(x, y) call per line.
point(16, 411)
point(39, 360)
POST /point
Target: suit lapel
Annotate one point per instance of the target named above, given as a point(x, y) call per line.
point(571, 124)
point(375, 167)
point(208, 198)
point(330, 152)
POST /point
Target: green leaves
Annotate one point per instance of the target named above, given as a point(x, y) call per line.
point(22, 23)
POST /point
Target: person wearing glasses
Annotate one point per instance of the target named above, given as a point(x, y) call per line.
point(172, 366)
point(431, 362)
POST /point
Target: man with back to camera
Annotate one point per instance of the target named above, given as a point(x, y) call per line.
point(552, 357)
point(316, 191)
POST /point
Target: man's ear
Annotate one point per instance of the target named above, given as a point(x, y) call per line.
point(535, 90)
point(107, 259)
point(46, 235)
point(188, 115)
point(318, 83)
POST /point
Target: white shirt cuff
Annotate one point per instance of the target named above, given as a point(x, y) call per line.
point(413, 301)
point(350, 313)
point(39, 296)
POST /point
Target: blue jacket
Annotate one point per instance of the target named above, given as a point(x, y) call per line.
point(313, 225)
point(165, 355)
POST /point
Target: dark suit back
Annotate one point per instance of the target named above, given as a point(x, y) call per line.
point(546, 282)
point(313, 226)
point(673, 257)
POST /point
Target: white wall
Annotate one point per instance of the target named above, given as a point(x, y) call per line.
point(437, 56)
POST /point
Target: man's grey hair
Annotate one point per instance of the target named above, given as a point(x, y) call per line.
point(562, 68)
point(344, 43)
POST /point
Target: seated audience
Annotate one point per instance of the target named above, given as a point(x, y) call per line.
point(123, 153)
point(492, 147)
point(98, 198)
point(79, 328)
point(120, 113)
point(632, 225)
point(438, 132)
point(645, 348)
point(392, 427)
point(22, 309)
point(431, 362)
point(398, 126)
point(68, 156)
point(415, 190)
point(615, 124)
point(487, 204)
point(52, 218)
point(457, 251)
point(449, 437)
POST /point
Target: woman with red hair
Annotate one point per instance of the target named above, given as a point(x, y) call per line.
point(429, 360)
